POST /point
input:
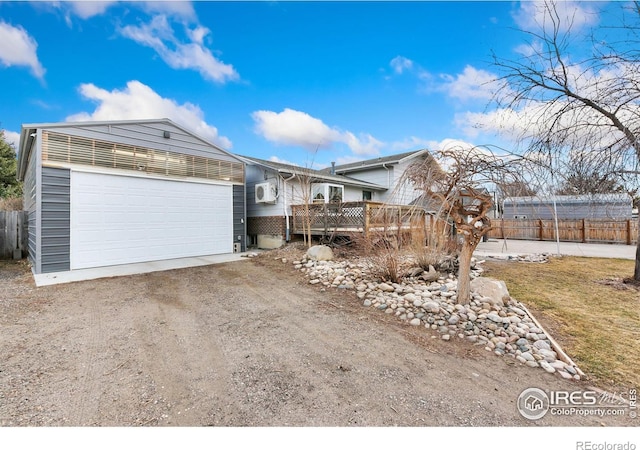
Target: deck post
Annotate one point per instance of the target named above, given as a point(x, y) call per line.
point(365, 211)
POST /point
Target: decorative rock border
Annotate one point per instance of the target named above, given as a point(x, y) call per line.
point(505, 328)
point(530, 258)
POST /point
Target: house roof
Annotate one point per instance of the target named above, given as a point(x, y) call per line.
point(319, 175)
point(378, 162)
point(28, 130)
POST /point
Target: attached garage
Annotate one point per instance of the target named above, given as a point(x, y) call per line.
point(105, 194)
point(117, 219)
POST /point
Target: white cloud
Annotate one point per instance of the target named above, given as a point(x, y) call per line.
point(291, 127)
point(410, 143)
point(297, 128)
point(160, 36)
point(281, 161)
point(364, 144)
point(347, 160)
point(182, 9)
point(138, 101)
point(451, 144)
point(573, 14)
point(87, 9)
point(472, 83)
point(399, 64)
point(534, 120)
point(12, 138)
point(527, 50)
point(18, 48)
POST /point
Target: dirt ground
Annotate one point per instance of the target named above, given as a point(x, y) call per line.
point(248, 343)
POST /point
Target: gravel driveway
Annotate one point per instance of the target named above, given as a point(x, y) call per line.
point(247, 343)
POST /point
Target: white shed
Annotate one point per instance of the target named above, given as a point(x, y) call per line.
point(119, 192)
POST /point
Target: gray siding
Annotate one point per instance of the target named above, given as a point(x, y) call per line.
point(543, 209)
point(403, 192)
point(56, 220)
point(380, 176)
point(30, 204)
point(354, 194)
point(239, 217)
point(255, 174)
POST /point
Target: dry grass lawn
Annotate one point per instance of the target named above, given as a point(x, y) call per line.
point(588, 310)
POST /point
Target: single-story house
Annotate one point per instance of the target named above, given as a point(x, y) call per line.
point(119, 192)
point(272, 188)
point(595, 206)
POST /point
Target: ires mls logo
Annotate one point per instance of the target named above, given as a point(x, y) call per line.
point(534, 403)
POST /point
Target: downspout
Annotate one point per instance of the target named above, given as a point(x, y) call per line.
point(286, 213)
point(384, 166)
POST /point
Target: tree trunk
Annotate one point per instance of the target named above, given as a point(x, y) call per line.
point(636, 272)
point(464, 272)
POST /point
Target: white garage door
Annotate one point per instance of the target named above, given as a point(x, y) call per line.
point(119, 219)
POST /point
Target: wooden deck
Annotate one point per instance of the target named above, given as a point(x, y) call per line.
point(347, 218)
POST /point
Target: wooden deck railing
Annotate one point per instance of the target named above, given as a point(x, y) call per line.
point(355, 217)
point(367, 217)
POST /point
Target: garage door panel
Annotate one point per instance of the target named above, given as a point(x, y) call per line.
point(119, 220)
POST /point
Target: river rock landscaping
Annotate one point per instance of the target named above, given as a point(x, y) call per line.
point(492, 319)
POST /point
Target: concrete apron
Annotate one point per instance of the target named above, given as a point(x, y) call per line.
point(47, 279)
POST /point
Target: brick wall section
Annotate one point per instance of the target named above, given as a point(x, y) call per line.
point(274, 225)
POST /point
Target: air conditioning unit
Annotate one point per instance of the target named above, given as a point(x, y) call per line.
point(266, 193)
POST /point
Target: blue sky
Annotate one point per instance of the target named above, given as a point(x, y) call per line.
point(275, 80)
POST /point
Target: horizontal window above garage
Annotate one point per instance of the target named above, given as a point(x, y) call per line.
point(63, 148)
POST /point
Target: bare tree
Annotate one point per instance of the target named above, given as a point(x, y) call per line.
point(517, 188)
point(460, 187)
point(588, 104)
point(305, 178)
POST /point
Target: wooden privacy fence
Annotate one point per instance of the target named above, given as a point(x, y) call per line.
point(623, 231)
point(13, 234)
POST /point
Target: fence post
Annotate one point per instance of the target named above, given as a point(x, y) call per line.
point(628, 231)
point(11, 234)
point(540, 230)
point(584, 231)
point(25, 234)
point(4, 244)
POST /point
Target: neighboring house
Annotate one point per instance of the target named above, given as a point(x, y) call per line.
point(386, 171)
point(596, 206)
point(273, 187)
point(119, 192)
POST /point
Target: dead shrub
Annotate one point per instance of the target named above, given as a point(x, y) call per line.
point(11, 204)
point(439, 248)
point(382, 255)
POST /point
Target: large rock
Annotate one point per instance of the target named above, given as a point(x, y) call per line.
point(496, 290)
point(320, 253)
point(431, 275)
